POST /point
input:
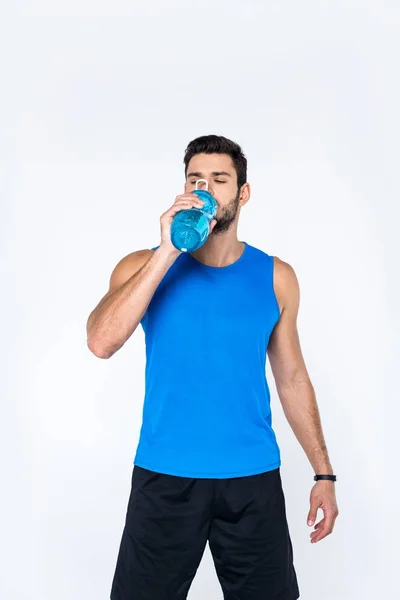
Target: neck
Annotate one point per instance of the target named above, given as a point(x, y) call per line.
point(220, 250)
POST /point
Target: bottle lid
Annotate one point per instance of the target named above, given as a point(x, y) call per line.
point(210, 205)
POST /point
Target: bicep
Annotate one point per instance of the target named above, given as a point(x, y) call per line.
point(284, 350)
point(124, 270)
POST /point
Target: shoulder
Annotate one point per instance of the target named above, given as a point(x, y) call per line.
point(284, 275)
point(286, 284)
point(128, 266)
point(135, 257)
point(284, 272)
point(133, 260)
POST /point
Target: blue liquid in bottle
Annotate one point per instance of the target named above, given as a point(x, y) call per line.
point(190, 228)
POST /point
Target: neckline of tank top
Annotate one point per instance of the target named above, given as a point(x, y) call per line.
point(226, 266)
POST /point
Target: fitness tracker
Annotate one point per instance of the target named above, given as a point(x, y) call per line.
point(327, 477)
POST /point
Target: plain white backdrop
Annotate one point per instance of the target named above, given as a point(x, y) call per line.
point(98, 102)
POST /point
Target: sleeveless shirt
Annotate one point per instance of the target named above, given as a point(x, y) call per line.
point(206, 411)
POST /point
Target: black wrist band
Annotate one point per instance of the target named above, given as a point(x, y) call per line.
point(328, 477)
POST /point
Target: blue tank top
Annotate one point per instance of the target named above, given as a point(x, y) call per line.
point(206, 411)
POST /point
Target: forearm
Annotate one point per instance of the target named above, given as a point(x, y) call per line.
point(301, 410)
point(117, 316)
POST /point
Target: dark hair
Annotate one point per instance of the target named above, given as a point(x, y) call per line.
point(217, 144)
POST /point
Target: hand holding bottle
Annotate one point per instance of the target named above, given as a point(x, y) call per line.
point(182, 202)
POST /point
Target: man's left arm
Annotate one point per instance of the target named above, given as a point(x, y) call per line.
point(297, 396)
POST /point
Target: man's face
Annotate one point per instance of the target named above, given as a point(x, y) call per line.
point(218, 170)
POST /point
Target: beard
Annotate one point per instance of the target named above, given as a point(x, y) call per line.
point(226, 216)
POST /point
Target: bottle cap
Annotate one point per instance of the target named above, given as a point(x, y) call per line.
point(210, 205)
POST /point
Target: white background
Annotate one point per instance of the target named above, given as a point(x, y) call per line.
point(98, 102)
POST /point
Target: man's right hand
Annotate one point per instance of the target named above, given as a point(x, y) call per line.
point(182, 202)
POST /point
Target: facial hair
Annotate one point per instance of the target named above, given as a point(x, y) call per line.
point(226, 216)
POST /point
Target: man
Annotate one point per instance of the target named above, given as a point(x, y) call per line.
point(207, 467)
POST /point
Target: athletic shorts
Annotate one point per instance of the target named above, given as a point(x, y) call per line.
point(170, 519)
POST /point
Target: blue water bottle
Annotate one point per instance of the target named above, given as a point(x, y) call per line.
point(190, 227)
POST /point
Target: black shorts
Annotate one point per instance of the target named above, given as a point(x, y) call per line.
point(169, 520)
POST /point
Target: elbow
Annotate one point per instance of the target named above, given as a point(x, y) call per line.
point(95, 343)
point(98, 349)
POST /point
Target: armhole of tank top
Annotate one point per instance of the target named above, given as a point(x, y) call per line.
point(144, 318)
point(278, 310)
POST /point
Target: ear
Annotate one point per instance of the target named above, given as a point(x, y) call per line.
point(244, 194)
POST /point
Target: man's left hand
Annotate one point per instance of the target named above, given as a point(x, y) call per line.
point(322, 496)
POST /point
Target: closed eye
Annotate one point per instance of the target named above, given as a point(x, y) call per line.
point(216, 181)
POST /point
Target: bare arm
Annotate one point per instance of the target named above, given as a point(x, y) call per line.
point(293, 384)
point(298, 399)
point(132, 286)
